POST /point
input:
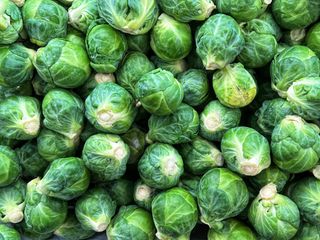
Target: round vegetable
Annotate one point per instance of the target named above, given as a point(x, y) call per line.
point(7, 232)
point(308, 232)
point(136, 140)
point(313, 39)
point(143, 194)
point(139, 42)
point(10, 169)
point(121, 191)
point(175, 67)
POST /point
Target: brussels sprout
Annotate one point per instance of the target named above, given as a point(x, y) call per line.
point(175, 67)
point(190, 183)
point(65, 178)
point(134, 66)
point(53, 145)
point(143, 194)
point(106, 156)
point(295, 13)
point(221, 194)
point(159, 92)
point(180, 127)
point(313, 39)
point(194, 61)
point(40, 86)
point(82, 13)
point(131, 222)
point(121, 191)
point(200, 156)
point(292, 64)
point(139, 43)
point(216, 119)
point(136, 140)
point(106, 47)
point(29, 234)
point(232, 229)
point(110, 108)
point(10, 169)
point(134, 17)
point(88, 131)
point(175, 214)
point(63, 112)
point(195, 86)
point(294, 37)
point(268, 17)
point(63, 63)
point(171, 40)
point(43, 214)
point(274, 216)
point(76, 37)
point(234, 86)
point(7, 232)
point(295, 145)
point(15, 65)
point(219, 41)
point(44, 20)
point(160, 166)
point(308, 232)
point(11, 23)
point(95, 209)
point(316, 171)
point(19, 117)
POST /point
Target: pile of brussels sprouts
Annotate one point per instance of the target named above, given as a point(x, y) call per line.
point(160, 119)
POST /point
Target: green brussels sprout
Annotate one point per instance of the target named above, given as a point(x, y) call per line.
point(95, 209)
point(268, 17)
point(175, 67)
point(143, 194)
point(134, 17)
point(12, 202)
point(180, 127)
point(295, 13)
point(40, 86)
point(139, 43)
point(171, 40)
point(106, 156)
point(15, 65)
point(82, 13)
point(121, 191)
point(232, 229)
point(11, 24)
point(28, 234)
point(308, 232)
point(159, 92)
point(160, 166)
point(106, 47)
point(134, 66)
point(216, 119)
point(63, 63)
point(19, 117)
point(199, 156)
point(274, 216)
point(131, 222)
point(189, 10)
point(32, 163)
point(43, 214)
point(221, 195)
point(65, 179)
point(76, 37)
point(110, 108)
point(52, 145)
point(304, 97)
point(10, 169)
point(313, 39)
point(294, 36)
point(234, 86)
point(136, 140)
point(316, 171)
point(219, 40)
point(190, 183)
point(7, 232)
point(63, 112)
point(195, 86)
point(292, 64)
point(44, 20)
point(174, 213)
point(295, 145)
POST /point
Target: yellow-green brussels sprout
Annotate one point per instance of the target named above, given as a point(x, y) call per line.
point(131, 222)
point(121, 191)
point(190, 183)
point(313, 39)
point(160, 166)
point(274, 216)
point(175, 67)
point(174, 213)
point(291, 64)
point(10, 169)
point(12, 202)
point(200, 156)
point(295, 144)
point(63, 63)
point(143, 194)
point(40, 86)
point(7, 232)
point(134, 66)
point(171, 40)
point(106, 156)
point(180, 127)
point(133, 17)
point(19, 117)
point(295, 13)
point(44, 20)
point(65, 178)
point(234, 86)
point(139, 43)
point(43, 214)
point(159, 92)
point(136, 140)
point(106, 47)
point(268, 17)
point(110, 108)
point(63, 112)
point(15, 65)
point(221, 195)
point(95, 209)
point(216, 119)
point(308, 232)
point(219, 40)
